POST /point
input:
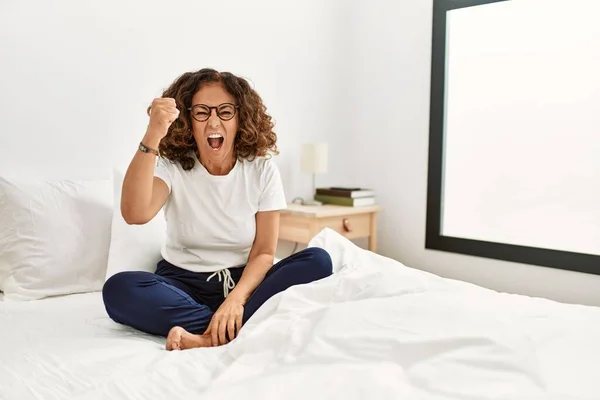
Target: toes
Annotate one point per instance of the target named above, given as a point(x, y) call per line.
point(174, 338)
point(173, 345)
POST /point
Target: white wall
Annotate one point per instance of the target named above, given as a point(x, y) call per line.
point(76, 77)
point(392, 56)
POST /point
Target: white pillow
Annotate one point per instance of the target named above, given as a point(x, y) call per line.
point(134, 247)
point(54, 236)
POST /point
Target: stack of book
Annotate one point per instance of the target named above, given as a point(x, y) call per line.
point(345, 196)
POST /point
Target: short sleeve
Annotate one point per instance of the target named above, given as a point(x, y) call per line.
point(162, 171)
point(272, 196)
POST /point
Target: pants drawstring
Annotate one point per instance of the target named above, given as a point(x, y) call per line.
point(225, 276)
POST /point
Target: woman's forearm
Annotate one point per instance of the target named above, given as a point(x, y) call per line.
point(142, 196)
point(253, 275)
point(138, 181)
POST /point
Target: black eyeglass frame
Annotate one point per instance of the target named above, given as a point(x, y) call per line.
point(216, 108)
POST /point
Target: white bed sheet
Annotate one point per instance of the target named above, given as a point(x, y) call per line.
point(376, 329)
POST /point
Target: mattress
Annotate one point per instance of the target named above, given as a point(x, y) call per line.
point(375, 329)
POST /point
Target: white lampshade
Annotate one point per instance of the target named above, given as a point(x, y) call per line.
point(314, 158)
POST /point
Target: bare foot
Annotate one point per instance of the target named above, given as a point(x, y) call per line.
point(180, 339)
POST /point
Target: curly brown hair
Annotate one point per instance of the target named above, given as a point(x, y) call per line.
point(255, 136)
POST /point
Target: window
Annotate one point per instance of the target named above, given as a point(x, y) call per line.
point(514, 156)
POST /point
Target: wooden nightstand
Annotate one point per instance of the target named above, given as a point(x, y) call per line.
point(301, 223)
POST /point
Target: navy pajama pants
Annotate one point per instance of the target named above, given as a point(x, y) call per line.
point(156, 302)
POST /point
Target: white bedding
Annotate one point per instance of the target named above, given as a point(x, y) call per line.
point(374, 330)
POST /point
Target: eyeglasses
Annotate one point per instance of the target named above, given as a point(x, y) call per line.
point(201, 112)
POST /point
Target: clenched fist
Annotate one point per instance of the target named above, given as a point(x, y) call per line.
point(163, 112)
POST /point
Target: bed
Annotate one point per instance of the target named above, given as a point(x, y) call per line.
point(375, 329)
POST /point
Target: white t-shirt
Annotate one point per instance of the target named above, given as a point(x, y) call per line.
point(211, 219)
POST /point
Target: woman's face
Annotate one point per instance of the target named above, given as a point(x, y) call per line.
point(214, 134)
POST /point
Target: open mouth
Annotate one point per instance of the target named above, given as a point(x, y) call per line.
point(215, 141)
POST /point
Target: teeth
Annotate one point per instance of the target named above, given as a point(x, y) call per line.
point(215, 136)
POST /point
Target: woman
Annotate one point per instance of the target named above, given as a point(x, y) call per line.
point(221, 195)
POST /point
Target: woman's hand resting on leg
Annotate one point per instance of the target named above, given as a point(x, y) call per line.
point(226, 321)
point(225, 324)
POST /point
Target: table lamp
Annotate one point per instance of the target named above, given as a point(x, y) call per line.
point(314, 161)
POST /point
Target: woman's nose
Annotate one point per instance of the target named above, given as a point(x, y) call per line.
point(214, 120)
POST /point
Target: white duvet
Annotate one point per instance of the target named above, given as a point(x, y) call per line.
point(374, 330)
